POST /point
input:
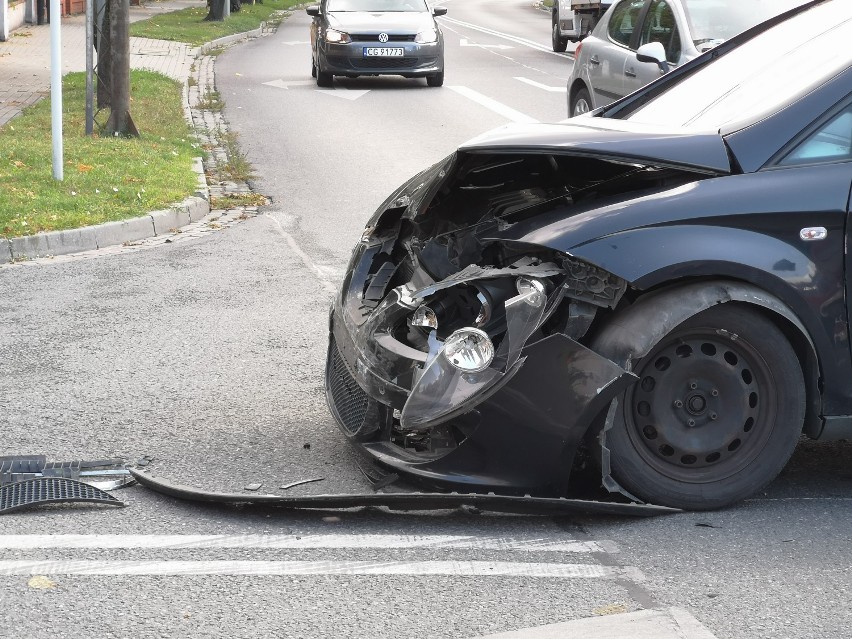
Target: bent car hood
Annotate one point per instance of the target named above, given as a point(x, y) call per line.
point(397, 22)
point(599, 137)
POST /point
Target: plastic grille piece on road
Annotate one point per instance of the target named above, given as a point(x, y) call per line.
point(51, 490)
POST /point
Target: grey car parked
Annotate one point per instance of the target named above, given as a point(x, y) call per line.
point(664, 34)
point(376, 37)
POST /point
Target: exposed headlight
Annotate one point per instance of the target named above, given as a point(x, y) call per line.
point(425, 37)
point(425, 316)
point(337, 37)
point(533, 288)
point(469, 350)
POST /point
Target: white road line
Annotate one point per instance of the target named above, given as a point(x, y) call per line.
point(529, 544)
point(541, 86)
point(493, 105)
point(234, 568)
point(505, 36)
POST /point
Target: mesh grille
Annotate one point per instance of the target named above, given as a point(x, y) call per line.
point(386, 63)
point(350, 402)
point(51, 490)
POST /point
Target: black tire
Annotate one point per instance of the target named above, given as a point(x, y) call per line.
point(324, 80)
point(558, 43)
point(436, 80)
point(581, 102)
point(716, 413)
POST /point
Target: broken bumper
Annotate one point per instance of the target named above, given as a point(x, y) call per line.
point(513, 427)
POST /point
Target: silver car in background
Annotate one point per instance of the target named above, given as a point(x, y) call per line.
point(376, 37)
point(667, 32)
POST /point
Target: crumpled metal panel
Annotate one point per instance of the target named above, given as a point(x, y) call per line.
point(51, 490)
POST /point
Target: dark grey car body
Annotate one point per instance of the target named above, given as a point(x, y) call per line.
point(664, 283)
point(380, 41)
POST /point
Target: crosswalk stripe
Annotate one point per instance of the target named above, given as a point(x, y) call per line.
point(471, 542)
point(276, 568)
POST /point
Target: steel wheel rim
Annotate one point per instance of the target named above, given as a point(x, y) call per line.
point(581, 107)
point(704, 406)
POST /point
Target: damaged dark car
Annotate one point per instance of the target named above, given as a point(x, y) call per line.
point(658, 287)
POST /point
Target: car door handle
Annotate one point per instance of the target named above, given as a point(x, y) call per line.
point(594, 60)
point(630, 72)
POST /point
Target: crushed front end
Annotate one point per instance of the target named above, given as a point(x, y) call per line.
point(455, 357)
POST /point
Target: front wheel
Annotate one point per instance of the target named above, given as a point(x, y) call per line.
point(715, 414)
point(436, 80)
point(558, 43)
point(581, 102)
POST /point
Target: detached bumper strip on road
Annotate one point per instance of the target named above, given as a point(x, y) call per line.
point(300, 542)
point(498, 107)
point(275, 568)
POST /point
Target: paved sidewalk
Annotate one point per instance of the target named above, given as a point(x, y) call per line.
point(25, 56)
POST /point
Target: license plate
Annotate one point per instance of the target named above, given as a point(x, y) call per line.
point(391, 52)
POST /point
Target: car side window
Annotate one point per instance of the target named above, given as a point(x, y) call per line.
point(660, 26)
point(831, 142)
point(624, 19)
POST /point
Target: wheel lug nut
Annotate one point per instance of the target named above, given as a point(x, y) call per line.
point(678, 403)
point(690, 423)
point(714, 393)
point(713, 415)
point(693, 386)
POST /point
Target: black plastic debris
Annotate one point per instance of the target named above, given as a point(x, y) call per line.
point(408, 501)
point(30, 480)
point(51, 490)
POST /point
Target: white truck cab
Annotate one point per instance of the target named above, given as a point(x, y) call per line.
point(572, 20)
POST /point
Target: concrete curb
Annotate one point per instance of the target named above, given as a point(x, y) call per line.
point(152, 224)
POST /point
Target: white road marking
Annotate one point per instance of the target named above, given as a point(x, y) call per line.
point(411, 568)
point(529, 544)
point(541, 86)
point(346, 94)
point(295, 42)
point(464, 42)
point(493, 105)
point(286, 84)
point(504, 36)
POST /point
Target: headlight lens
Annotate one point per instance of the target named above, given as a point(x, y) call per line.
point(534, 289)
point(469, 349)
point(425, 317)
point(425, 37)
point(337, 37)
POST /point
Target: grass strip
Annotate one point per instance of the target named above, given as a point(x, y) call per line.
point(188, 25)
point(105, 178)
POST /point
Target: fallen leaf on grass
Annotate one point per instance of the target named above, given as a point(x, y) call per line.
point(84, 168)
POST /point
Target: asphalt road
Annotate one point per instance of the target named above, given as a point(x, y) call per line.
point(208, 356)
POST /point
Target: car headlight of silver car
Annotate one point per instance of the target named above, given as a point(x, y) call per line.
point(427, 36)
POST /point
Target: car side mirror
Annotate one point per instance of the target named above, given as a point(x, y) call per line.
point(439, 11)
point(653, 52)
point(313, 10)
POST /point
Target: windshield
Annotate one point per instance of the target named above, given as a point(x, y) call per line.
point(777, 65)
point(376, 6)
point(713, 21)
